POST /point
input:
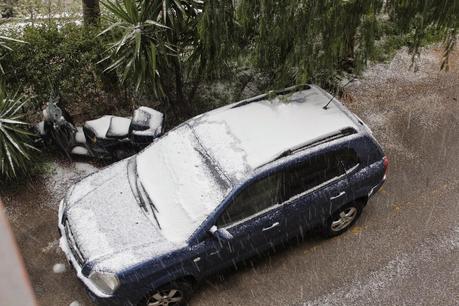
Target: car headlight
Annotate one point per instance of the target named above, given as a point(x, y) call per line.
point(106, 282)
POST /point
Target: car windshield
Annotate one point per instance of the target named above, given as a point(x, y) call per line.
point(181, 182)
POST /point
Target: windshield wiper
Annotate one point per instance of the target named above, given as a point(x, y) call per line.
point(138, 190)
point(145, 198)
point(132, 178)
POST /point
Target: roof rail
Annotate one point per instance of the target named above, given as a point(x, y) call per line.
point(330, 137)
point(271, 94)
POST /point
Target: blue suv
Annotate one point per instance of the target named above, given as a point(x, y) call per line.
point(216, 190)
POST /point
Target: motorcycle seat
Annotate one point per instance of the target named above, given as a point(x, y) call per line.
point(147, 122)
point(109, 127)
point(79, 136)
point(119, 127)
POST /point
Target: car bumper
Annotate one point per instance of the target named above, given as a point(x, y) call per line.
point(64, 245)
point(377, 187)
point(112, 301)
point(95, 295)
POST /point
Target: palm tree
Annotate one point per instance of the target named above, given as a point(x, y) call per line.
point(146, 51)
point(15, 148)
point(15, 139)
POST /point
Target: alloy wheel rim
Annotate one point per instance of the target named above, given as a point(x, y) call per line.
point(345, 219)
point(165, 298)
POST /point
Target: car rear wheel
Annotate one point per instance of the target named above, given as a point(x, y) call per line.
point(342, 219)
point(173, 294)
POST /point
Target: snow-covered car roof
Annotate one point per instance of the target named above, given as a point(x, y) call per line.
point(188, 172)
point(243, 138)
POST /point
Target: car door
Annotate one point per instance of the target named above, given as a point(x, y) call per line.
point(255, 220)
point(314, 188)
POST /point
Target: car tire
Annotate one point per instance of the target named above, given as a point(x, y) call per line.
point(343, 219)
point(173, 294)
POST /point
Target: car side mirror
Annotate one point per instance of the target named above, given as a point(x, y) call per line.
point(220, 233)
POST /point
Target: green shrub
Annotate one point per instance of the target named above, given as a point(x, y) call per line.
point(63, 57)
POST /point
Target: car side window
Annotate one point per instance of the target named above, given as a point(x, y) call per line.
point(256, 197)
point(308, 174)
point(348, 157)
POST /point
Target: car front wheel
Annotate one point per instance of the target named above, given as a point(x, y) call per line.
point(173, 294)
point(342, 219)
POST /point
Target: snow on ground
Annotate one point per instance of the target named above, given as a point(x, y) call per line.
point(382, 281)
point(404, 95)
point(21, 23)
point(61, 176)
point(59, 268)
point(401, 68)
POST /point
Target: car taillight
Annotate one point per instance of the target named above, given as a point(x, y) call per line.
point(386, 164)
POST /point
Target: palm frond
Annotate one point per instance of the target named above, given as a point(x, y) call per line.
point(145, 32)
point(15, 140)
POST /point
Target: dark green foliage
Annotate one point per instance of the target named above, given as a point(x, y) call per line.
point(63, 58)
point(5, 43)
point(7, 8)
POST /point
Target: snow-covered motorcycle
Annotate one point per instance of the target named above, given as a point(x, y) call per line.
point(108, 137)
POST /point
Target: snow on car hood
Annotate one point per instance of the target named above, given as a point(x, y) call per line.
point(105, 218)
point(183, 182)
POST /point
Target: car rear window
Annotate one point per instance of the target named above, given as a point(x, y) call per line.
point(315, 171)
point(348, 157)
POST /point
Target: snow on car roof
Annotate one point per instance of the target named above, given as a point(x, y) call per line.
point(243, 138)
point(189, 171)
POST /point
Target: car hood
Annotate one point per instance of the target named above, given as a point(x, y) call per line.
point(105, 218)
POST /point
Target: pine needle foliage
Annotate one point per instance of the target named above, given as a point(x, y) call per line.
point(308, 40)
point(314, 40)
point(215, 43)
point(419, 16)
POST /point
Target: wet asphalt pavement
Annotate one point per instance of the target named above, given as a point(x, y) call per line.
point(404, 250)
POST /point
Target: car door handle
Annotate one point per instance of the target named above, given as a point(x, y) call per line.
point(271, 227)
point(339, 195)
